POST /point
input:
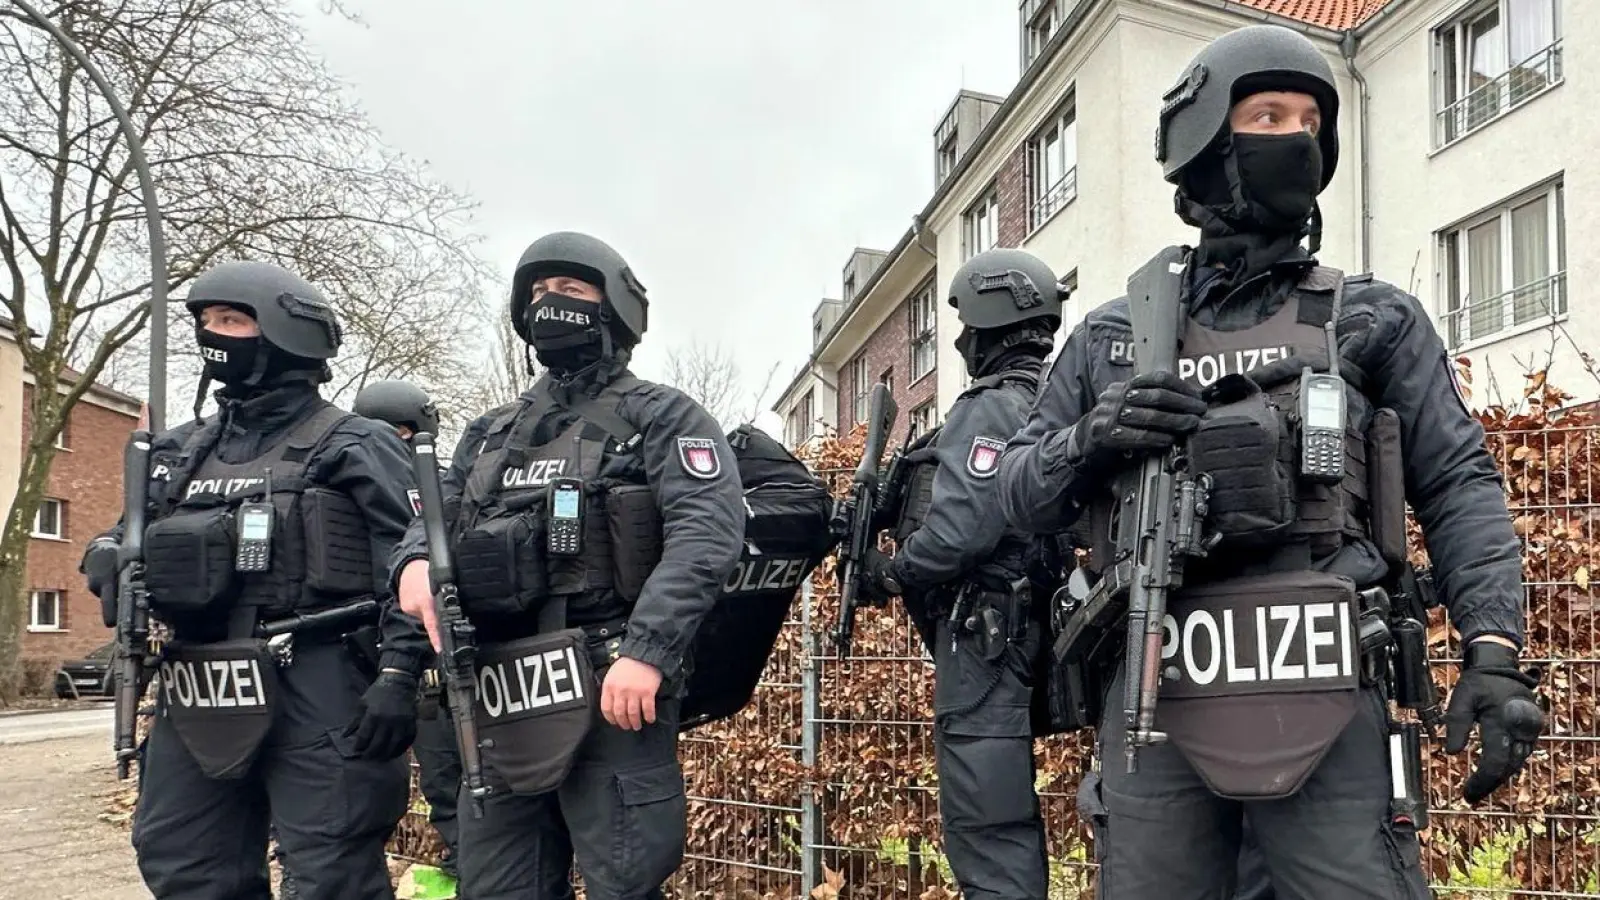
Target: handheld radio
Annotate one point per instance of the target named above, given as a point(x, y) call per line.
point(564, 517)
point(253, 552)
point(1322, 418)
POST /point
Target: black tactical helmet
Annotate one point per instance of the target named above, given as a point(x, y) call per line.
point(591, 259)
point(1002, 287)
point(1194, 113)
point(293, 316)
point(398, 403)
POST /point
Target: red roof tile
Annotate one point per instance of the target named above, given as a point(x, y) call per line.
point(1335, 14)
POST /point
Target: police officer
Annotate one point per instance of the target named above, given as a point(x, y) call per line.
point(276, 514)
point(409, 410)
point(961, 571)
point(594, 522)
point(1268, 718)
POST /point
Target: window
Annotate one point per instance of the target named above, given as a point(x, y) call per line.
point(849, 288)
point(49, 519)
point(860, 388)
point(923, 419)
point(887, 379)
point(1505, 268)
point(800, 421)
point(981, 226)
point(1053, 166)
point(61, 437)
point(44, 611)
point(1039, 21)
point(944, 144)
point(924, 317)
point(1490, 60)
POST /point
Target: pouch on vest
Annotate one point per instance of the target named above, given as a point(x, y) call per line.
point(338, 553)
point(500, 566)
point(537, 699)
point(219, 697)
point(786, 535)
point(1241, 444)
point(1260, 675)
point(633, 526)
point(1386, 486)
point(920, 465)
point(189, 561)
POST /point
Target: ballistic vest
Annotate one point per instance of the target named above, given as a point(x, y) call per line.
point(504, 574)
point(320, 550)
point(1249, 440)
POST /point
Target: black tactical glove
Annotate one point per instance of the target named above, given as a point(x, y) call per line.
point(1147, 414)
point(100, 565)
point(881, 581)
point(388, 721)
point(1499, 697)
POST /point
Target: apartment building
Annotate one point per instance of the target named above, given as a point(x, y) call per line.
point(83, 498)
point(1458, 179)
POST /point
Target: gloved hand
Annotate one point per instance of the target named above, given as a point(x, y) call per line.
point(1145, 414)
point(388, 721)
point(100, 565)
point(880, 580)
point(1499, 697)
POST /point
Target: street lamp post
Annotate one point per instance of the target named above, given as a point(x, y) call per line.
point(157, 400)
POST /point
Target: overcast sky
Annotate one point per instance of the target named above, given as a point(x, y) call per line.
point(734, 152)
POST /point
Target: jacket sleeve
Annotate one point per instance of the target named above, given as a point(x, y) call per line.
point(162, 448)
point(414, 544)
point(1040, 492)
point(965, 522)
point(702, 518)
point(369, 463)
point(1451, 479)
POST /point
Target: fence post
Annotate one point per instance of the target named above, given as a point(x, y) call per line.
point(810, 744)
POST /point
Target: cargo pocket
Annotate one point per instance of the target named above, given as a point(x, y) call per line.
point(1405, 860)
point(651, 826)
point(1092, 810)
point(365, 796)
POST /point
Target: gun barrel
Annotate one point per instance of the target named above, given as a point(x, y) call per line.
point(864, 490)
point(132, 623)
point(458, 644)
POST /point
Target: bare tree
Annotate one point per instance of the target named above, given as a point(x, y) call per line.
point(712, 377)
point(256, 155)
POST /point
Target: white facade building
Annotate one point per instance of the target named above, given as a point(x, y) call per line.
point(1462, 126)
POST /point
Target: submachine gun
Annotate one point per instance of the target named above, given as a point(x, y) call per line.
point(133, 601)
point(853, 515)
point(1161, 510)
point(458, 645)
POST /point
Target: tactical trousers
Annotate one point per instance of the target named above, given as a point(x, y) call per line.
point(1332, 840)
point(439, 775)
point(198, 838)
point(621, 813)
point(983, 746)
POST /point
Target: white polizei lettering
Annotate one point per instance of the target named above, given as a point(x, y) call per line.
point(243, 680)
point(1211, 367)
point(212, 683)
point(558, 674)
point(1236, 672)
point(538, 473)
point(548, 314)
point(168, 682)
point(1263, 646)
point(489, 677)
point(517, 701)
point(765, 575)
point(1202, 619)
point(185, 683)
point(1281, 669)
point(1169, 637)
point(217, 678)
point(1316, 637)
point(1346, 664)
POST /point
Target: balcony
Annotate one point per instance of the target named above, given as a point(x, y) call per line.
point(1478, 322)
point(1507, 91)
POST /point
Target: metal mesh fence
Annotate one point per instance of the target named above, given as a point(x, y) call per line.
point(825, 785)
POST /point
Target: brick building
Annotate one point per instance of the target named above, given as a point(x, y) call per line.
point(83, 498)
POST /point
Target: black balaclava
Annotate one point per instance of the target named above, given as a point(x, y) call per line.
point(990, 350)
point(1253, 197)
point(248, 366)
point(569, 334)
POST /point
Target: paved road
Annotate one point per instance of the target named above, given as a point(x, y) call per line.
point(54, 845)
point(48, 726)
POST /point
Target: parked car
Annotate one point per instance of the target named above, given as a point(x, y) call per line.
point(87, 677)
